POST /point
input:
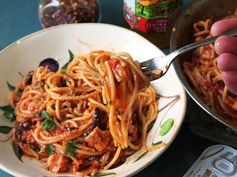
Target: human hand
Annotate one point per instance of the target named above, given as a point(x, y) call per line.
point(226, 48)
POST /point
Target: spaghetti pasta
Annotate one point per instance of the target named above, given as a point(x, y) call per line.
point(204, 75)
point(88, 117)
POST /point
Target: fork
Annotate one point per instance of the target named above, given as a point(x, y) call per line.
point(157, 67)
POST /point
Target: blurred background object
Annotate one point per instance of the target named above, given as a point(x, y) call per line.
point(152, 19)
point(56, 12)
point(200, 11)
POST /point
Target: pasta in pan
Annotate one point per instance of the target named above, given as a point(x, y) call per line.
point(204, 75)
point(88, 117)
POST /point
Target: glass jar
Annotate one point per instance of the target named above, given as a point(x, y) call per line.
point(56, 12)
point(153, 19)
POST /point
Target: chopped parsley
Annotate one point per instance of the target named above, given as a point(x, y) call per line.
point(50, 149)
point(71, 148)
point(48, 123)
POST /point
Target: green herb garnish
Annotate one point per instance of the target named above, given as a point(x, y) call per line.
point(48, 123)
point(50, 149)
point(11, 87)
point(70, 59)
point(8, 112)
point(71, 148)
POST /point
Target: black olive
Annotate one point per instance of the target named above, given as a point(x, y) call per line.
point(20, 127)
point(99, 119)
point(25, 125)
point(135, 119)
point(23, 142)
point(91, 158)
point(89, 129)
point(96, 116)
point(35, 147)
point(50, 63)
point(18, 132)
point(63, 82)
point(85, 165)
point(28, 78)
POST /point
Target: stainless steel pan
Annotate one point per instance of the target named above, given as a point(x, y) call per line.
point(199, 10)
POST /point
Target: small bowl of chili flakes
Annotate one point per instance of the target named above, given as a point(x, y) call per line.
point(57, 12)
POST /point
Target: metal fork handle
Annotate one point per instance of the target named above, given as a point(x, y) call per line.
point(163, 63)
point(201, 43)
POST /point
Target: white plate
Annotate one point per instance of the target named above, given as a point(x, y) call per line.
point(25, 54)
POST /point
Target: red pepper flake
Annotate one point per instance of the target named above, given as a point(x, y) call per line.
point(55, 12)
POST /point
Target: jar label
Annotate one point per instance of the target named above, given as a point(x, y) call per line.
point(151, 15)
